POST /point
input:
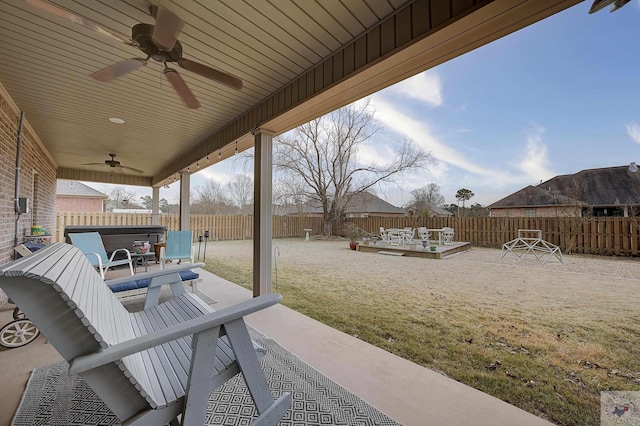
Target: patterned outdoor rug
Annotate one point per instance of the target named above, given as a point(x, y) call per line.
point(53, 397)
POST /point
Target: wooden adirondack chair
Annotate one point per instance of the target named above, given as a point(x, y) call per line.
point(90, 243)
point(148, 367)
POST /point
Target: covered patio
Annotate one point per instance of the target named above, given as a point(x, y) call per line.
point(293, 63)
point(82, 83)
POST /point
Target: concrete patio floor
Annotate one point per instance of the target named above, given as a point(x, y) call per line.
point(407, 392)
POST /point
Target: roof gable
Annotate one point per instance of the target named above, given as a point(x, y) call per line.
point(534, 196)
point(74, 188)
point(366, 202)
point(362, 202)
point(608, 186)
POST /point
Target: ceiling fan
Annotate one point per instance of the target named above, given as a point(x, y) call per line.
point(113, 163)
point(601, 4)
point(159, 42)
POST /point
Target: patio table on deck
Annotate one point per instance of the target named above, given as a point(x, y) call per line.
point(439, 231)
point(400, 237)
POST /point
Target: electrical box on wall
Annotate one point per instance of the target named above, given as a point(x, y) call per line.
point(23, 206)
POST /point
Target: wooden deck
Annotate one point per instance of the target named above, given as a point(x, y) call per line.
point(416, 250)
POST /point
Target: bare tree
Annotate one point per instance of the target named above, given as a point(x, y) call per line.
point(324, 155)
point(571, 205)
point(122, 198)
point(289, 195)
point(210, 199)
point(425, 198)
point(240, 190)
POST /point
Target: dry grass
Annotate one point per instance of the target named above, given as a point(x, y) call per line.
point(546, 338)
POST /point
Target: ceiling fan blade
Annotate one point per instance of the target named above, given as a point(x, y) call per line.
point(92, 164)
point(181, 87)
point(211, 73)
point(599, 5)
point(168, 26)
point(118, 69)
point(85, 22)
point(132, 169)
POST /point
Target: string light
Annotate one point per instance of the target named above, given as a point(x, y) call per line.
point(220, 154)
point(236, 147)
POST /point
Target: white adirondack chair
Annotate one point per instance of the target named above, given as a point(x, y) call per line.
point(149, 367)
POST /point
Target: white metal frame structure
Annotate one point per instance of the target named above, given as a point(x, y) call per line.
point(523, 245)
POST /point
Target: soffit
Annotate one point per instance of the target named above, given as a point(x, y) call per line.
point(45, 63)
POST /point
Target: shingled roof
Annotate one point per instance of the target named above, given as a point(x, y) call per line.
point(610, 186)
point(533, 196)
point(364, 202)
point(438, 211)
point(72, 188)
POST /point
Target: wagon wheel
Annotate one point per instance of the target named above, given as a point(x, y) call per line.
point(18, 314)
point(18, 333)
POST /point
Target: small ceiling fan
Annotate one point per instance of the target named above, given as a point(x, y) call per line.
point(159, 42)
point(113, 163)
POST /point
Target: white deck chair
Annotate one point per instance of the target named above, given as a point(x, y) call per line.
point(384, 235)
point(423, 233)
point(395, 236)
point(408, 234)
point(447, 236)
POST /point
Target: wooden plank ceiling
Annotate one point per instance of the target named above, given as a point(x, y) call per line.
point(296, 58)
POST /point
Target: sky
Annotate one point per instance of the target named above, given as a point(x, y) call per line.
point(554, 98)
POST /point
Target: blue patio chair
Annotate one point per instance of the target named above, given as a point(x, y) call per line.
point(91, 245)
point(179, 247)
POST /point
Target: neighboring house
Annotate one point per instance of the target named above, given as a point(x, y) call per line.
point(610, 191)
point(363, 204)
point(434, 211)
point(73, 196)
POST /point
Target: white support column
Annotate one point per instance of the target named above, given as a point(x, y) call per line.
point(185, 180)
point(155, 205)
point(262, 212)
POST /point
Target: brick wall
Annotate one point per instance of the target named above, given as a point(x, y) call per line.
point(563, 211)
point(78, 204)
point(37, 181)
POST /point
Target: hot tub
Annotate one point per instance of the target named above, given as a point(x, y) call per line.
point(115, 237)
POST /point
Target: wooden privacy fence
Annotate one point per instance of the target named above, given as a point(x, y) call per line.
point(220, 227)
point(618, 236)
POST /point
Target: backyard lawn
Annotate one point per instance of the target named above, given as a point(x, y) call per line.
point(545, 338)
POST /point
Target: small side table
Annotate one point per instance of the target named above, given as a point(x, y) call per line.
point(307, 231)
point(141, 259)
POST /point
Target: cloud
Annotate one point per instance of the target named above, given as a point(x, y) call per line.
point(219, 176)
point(491, 177)
point(394, 119)
point(379, 154)
point(535, 162)
point(425, 87)
point(633, 130)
